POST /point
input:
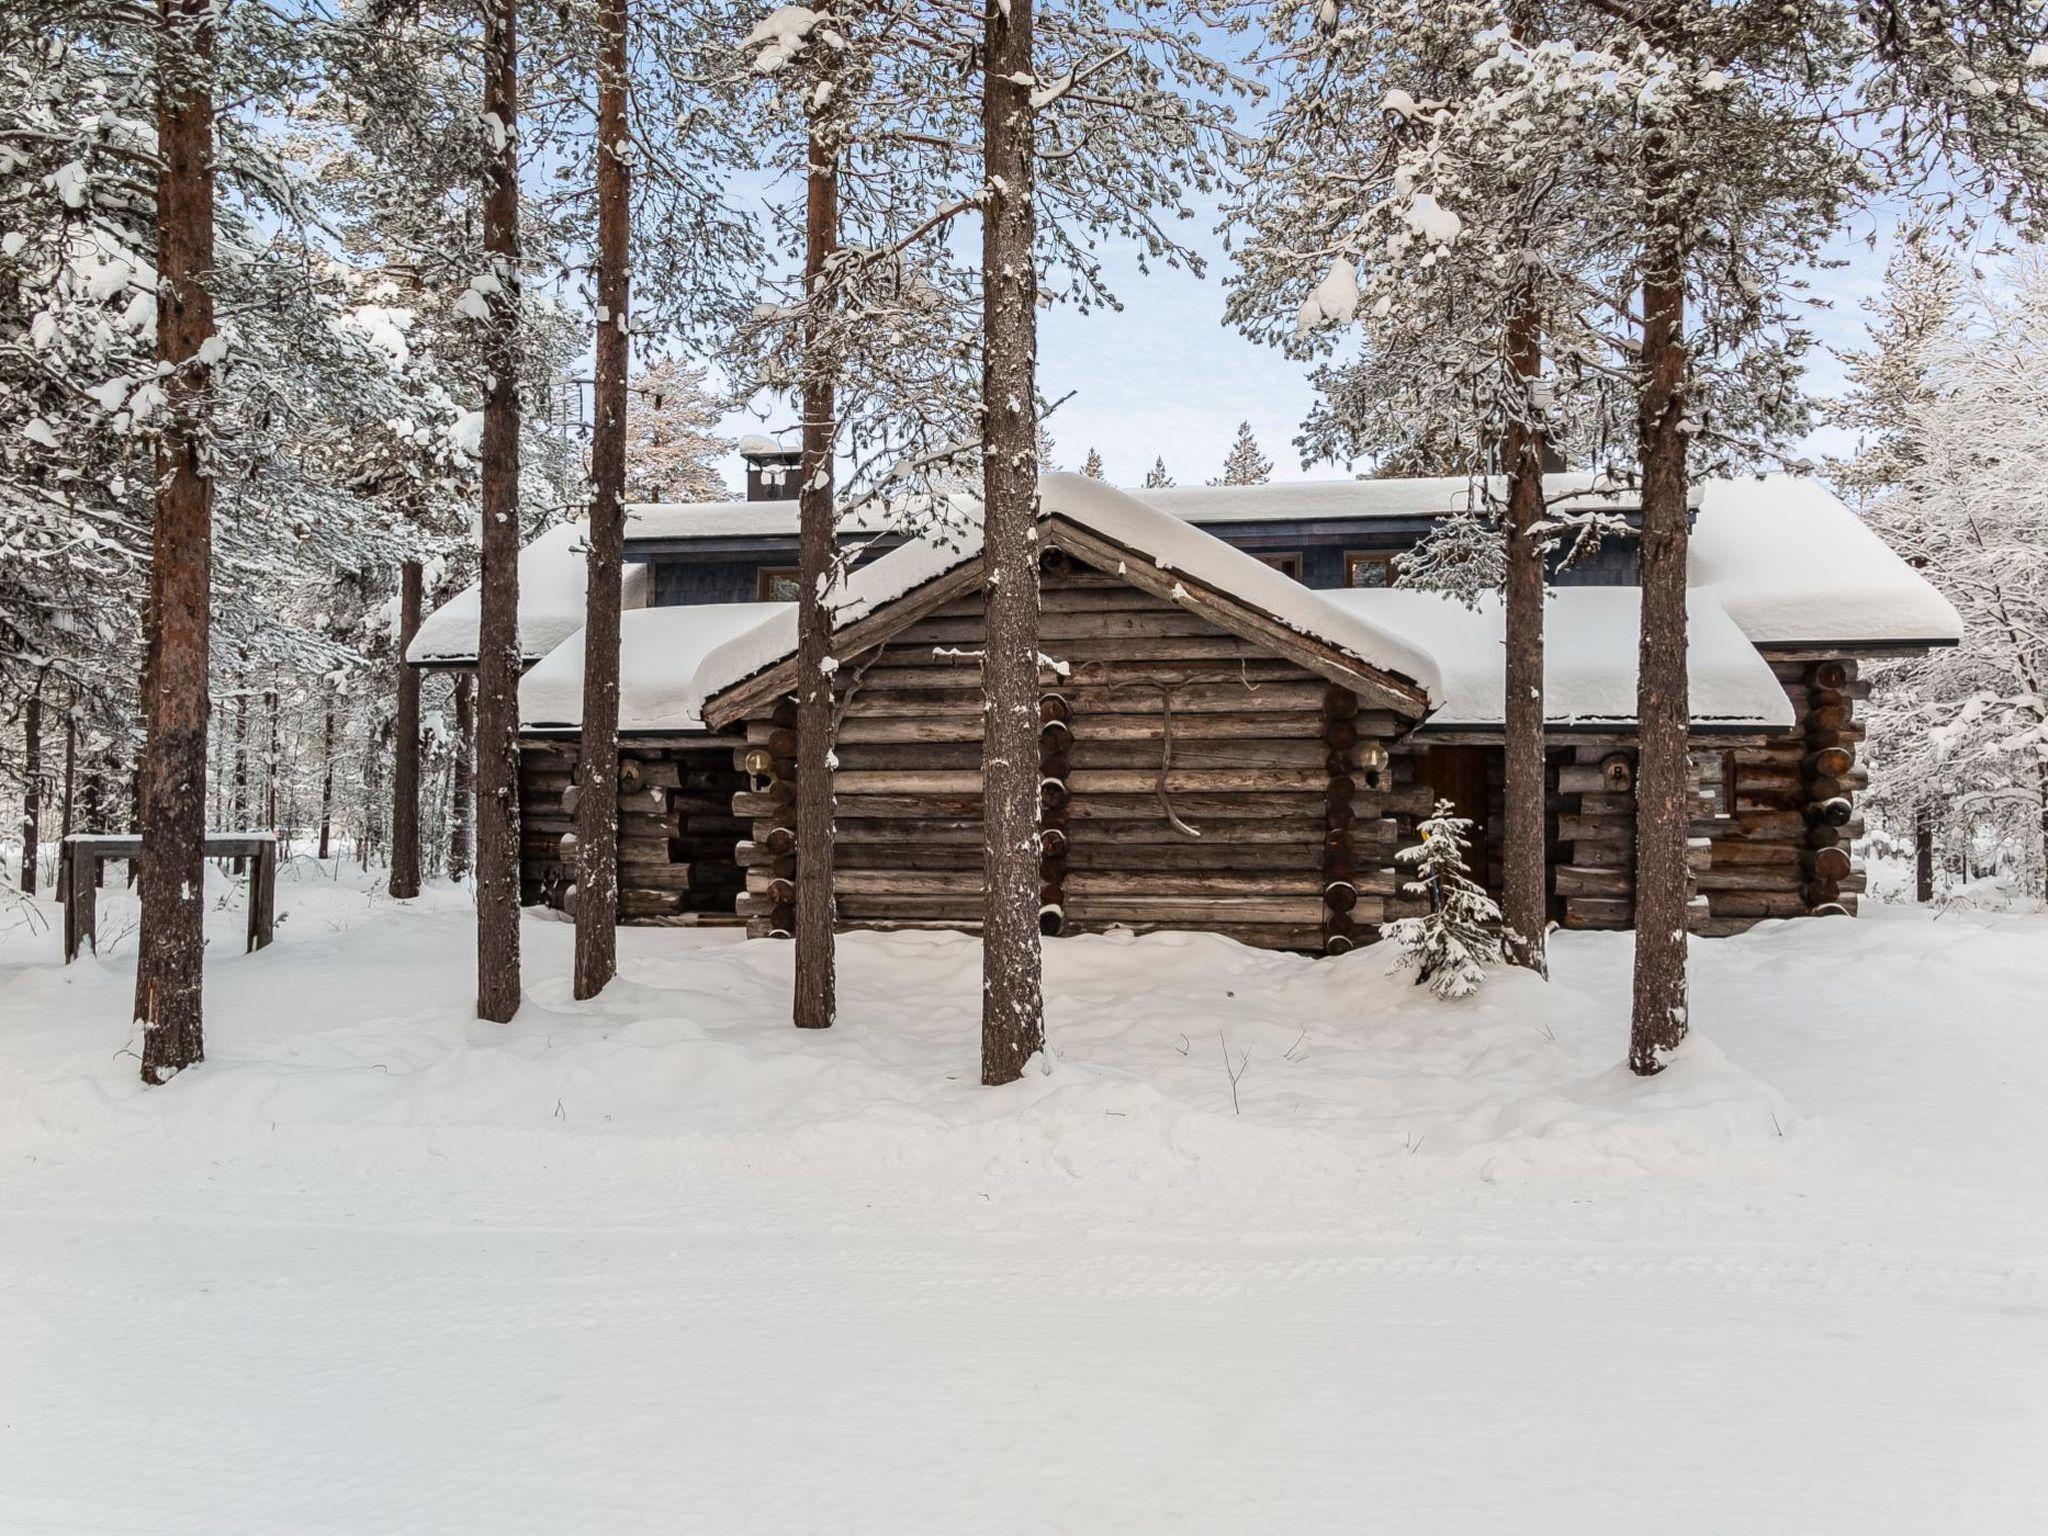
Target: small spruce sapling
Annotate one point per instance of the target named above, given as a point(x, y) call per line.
point(1452, 945)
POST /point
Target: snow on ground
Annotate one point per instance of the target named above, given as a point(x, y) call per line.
point(661, 1263)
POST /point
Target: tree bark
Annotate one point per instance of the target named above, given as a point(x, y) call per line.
point(175, 695)
point(597, 820)
point(238, 809)
point(70, 769)
point(497, 746)
point(32, 790)
point(1658, 1021)
point(405, 745)
point(460, 819)
point(815, 999)
point(1923, 858)
point(1012, 1005)
point(272, 751)
point(1525, 903)
point(327, 780)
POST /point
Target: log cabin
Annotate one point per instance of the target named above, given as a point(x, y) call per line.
point(1243, 715)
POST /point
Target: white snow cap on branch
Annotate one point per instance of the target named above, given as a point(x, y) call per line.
point(781, 35)
point(1334, 301)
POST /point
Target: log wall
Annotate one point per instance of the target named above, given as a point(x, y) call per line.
point(677, 829)
point(1781, 845)
point(1190, 779)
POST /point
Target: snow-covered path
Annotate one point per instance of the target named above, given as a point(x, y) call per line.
point(662, 1264)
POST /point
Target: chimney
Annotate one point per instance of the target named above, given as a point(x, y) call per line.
point(773, 471)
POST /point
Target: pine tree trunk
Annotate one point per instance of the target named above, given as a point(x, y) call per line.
point(1923, 858)
point(70, 769)
point(1525, 902)
point(32, 790)
point(497, 725)
point(460, 820)
point(1012, 1006)
point(327, 781)
point(272, 751)
point(405, 745)
point(89, 797)
point(815, 1000)
point(1663, 771)
point(597, 820)
point(175, 696)
point(239, 820)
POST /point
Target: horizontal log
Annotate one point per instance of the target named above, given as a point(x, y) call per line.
point(1756, 904)
point(1756, 826)
point(1303, 911)
point(1244, 781)
point(1573, 881)
point(1574, 828)
point(1751, 878)
point(1757, 854)
point(1783, 757)
point(1598, 912)
point(860, 728)
point(909, 855)
point(964, 883)
point(866, 757)
point(1221, 852)
point(1190, 885)
point(1092, 752)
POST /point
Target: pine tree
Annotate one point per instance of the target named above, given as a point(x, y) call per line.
point(1890, 393)
point(597, 824)
point(498, 653)
point(1012, 1006)
point(1092, 465)
point(1244, 464)
point(672, 440)
point(1156, 478)
point(178, 624)
point(1450, 946)
point(1960, 736)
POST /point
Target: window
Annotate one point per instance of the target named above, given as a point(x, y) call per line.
point(1368, 568)
point(1715, 772)
point(1287, 561)
point(778, 584)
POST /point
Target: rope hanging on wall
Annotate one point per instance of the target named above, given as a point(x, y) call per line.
point(1166, 692)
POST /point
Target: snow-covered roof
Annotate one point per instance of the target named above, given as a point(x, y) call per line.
point(1325, 500)
point(754, 445)
point(1792, 564)
point(552, 572)
point(1589, 657)
point(1160, 538)
point(660, 650)
point(664, 520)
point(1304, 501)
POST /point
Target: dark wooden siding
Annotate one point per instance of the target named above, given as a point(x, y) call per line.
point(677, 832)
point(1252, 772)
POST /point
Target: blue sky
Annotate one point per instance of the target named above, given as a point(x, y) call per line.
point(1164, 376)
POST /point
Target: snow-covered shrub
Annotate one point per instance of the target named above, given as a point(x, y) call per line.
point(1450, 947)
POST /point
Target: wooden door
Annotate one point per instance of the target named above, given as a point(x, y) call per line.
point(1458, 774)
